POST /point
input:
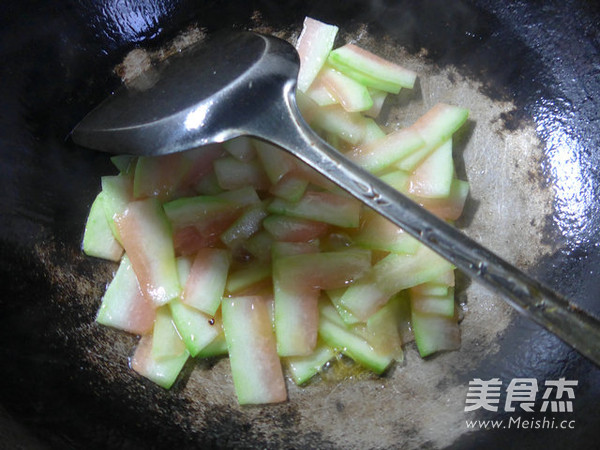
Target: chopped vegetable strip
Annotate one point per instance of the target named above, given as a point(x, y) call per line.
point(325, 270)
point(255, 365)
point(440, 304)
point(449, 208)
point(124, 163)
point(159, 176)
point(378, 233)
point(147, 239)
point(321, 206)
point(117, 192)
point(290, 187)
point(245, 226)
point(433, 177)
point(240, 148)
point(303, 368)
point(313, 46)
point(166, 342)
point(352, 95)
point(378, 98)
point(246, 277)
point(206, 281)
point(234, 174)
point(435, 126)
point(296, 283)
point(163, 371)
point(381, 153)
point(319, 93)
point(434, 332)
point(275, 161)
point(218, 347)
point(292, 229)
point(123, 305)
point(348, 126)
point(296, 316)
point(340, 336)
point(98, 239)
point(370, 69)
point(391, 275)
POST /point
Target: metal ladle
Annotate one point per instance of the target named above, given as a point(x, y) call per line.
point(244, 83)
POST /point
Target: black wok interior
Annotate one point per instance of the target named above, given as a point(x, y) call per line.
point(57, 60)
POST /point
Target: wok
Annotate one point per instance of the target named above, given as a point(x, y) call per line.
point(529, 72)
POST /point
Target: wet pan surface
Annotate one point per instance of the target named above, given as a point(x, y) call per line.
point(530, 76)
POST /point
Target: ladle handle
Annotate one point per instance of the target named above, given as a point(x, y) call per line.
point(573, 325)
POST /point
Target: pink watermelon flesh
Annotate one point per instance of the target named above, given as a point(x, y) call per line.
point(255, 365)
point(291, 229)
point(148, 242)
point(313, 46)
point(163, 372)
point(206, 281)
point(124, 306)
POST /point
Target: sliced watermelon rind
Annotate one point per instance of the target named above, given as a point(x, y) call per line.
point(147, 239)
point(255, 365)
point(98, 238)
point(282, 252)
